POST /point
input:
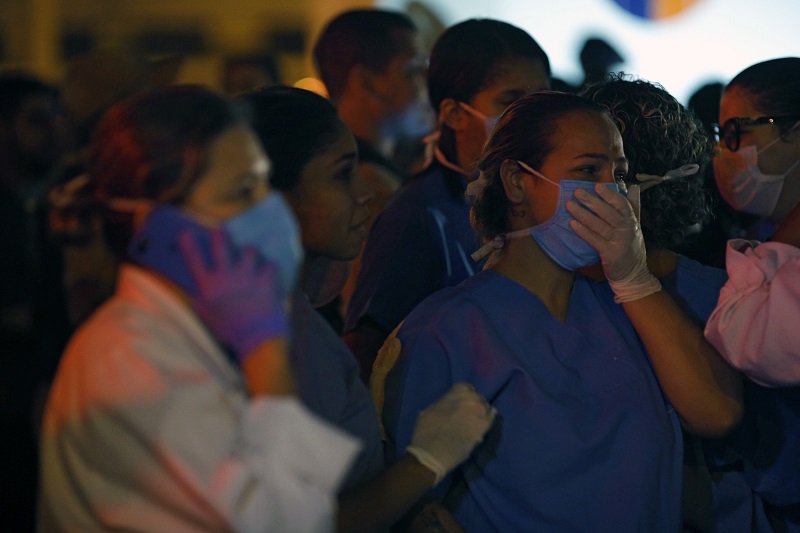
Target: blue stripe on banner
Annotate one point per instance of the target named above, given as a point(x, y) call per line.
point(640, 8)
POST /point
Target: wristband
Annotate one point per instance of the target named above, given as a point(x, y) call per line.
point(428, 461)
point(635, 287)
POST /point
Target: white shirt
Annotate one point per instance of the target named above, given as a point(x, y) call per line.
point(756, 324)
point(149, 427)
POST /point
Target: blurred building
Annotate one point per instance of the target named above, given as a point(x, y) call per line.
point(189, 40)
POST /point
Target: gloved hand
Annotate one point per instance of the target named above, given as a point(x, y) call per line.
point(611, 225)
point(448, 430)
point(238, 301)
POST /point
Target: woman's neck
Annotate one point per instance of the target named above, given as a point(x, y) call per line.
point(523, 261)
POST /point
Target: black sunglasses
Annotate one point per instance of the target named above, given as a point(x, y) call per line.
point(732, 129)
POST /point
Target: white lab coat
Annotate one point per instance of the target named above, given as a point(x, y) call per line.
point(756, 324)
point(148, 427)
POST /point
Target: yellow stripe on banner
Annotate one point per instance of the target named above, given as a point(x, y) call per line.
point(668, 8)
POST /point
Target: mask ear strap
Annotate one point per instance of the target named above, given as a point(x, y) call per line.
point(472, 111)
point(535, 173)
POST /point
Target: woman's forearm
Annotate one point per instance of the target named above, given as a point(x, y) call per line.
point(702, 387)
point(379, 504)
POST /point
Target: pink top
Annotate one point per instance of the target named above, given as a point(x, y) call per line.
point(756, 324)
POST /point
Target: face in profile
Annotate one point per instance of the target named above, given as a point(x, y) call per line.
point(773, 160)
point(330, 200)
point(402, 83)
point(35, 133)
point(235, 178)
point(776, 156)
point(513, 79)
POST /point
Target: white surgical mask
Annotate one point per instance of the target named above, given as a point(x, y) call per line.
point(744, 186)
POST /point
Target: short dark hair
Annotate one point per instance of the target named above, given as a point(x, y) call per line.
point(774, 86)
point(293, 125)
point(524, 133)
point(358, 37)
point(659, 134)
point(16, 87)
point(465, 57)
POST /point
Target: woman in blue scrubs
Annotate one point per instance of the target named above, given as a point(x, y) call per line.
point(314, 165)
point(591, 380)
point(422, 241)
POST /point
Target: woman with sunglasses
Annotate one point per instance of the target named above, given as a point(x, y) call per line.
point(754, 325)
point(758, 172)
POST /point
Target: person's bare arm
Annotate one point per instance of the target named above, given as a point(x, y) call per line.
point(267, 369)
point(702, 387)
point(788, 231)
point(364, 342)
point(379, 504)
point(705, 390)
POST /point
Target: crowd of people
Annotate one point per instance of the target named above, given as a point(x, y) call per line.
point(446, 297)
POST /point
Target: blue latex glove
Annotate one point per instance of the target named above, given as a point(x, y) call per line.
point(239, 300)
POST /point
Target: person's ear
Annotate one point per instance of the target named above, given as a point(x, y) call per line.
point(452, 114)
point(513, 183)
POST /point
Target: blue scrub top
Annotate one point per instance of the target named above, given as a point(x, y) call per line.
point(421, 242)
point(584, 439)
point(327, 381)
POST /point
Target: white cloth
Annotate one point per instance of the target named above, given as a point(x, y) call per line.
point(149, 427)
point(756, 324)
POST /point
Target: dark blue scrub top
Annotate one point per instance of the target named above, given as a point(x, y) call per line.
point(327, 382)
point(420, 243)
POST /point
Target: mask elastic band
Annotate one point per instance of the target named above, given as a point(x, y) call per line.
point(650, 180)
point(498, 242)
point(535, 173)
point(473, 111)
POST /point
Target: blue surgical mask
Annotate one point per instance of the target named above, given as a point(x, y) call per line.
point(489, 122)
point(414, 122)
point(269, 227)
point(556, 238)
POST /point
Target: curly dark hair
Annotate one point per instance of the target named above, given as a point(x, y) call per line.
point(660, 134)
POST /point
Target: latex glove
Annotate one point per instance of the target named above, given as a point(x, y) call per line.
point(610, 223)
point(387, 357)
point(238, 301)
point(448, 431)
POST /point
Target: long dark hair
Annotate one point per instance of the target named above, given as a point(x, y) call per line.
point(660, 134)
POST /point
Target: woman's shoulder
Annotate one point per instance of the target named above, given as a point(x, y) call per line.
point(452, 305)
